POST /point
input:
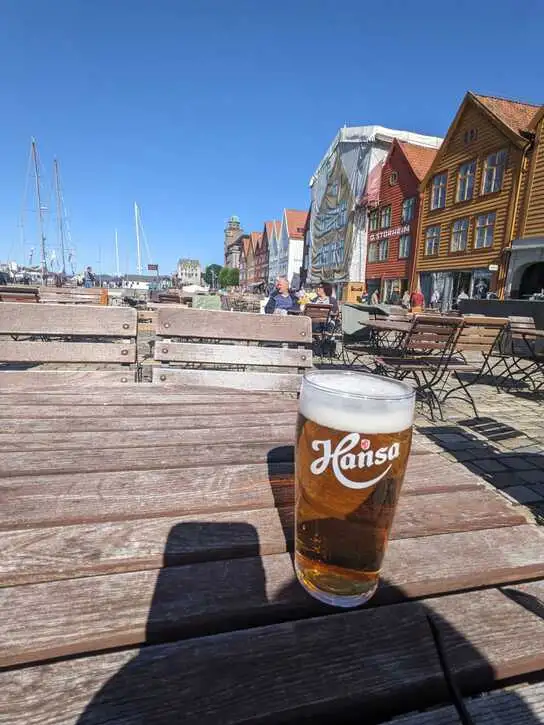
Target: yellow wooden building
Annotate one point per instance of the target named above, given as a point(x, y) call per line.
point(526, 256)
point(469, 200)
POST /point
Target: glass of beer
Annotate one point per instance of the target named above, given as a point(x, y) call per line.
point(354, 433)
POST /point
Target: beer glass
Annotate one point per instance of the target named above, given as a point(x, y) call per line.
point(354, 433)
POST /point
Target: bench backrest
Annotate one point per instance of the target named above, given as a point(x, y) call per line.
point(232, 349)
point(318, 312)
point(480, 333)
point(16, 293)
point(74, 295)
point(36, 333)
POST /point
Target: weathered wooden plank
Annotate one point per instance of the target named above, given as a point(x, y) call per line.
point(138, 459)
point(176, 321)
point(232, 354)
point(85, 497)
point(152, 409)
point(281, 382)
point(68, 551)
point(245, 431)
point(38, 319)
point(515, 705)
point(278, 670)
point(273, 669)
point(142, 423)
point(23, 381)
point(69, 352)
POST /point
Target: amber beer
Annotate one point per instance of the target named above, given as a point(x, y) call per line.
point(353, 439)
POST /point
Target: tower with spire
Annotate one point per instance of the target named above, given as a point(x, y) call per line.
point(233, 233)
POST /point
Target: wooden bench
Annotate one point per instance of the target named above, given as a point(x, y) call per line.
point(74, 295)
point(32, 334)
point(16, 293)
point(232, 350)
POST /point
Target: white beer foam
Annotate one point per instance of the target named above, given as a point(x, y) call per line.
point(356, 402)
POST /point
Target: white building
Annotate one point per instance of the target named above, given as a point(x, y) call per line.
point(273, 253)
point(342, 188)
point(189, 272)
point(291, 245)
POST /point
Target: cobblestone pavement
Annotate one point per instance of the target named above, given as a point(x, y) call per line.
point(504, 445)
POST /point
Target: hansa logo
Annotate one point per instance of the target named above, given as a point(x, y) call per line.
point(353, 452)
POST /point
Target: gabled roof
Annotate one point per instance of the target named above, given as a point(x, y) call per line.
point(420, 158)
point(246, 243)
point(539, 115)
point(517, 116)
point(510, 117)
point(277, 226)
point(255, 240)
point(269, 227)
point(296, 221)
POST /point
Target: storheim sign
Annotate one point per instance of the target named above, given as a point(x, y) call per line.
point(386, 233)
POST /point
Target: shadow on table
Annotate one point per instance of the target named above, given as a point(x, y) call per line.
point(170, 681)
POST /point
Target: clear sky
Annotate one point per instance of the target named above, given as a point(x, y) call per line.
point(199, 109)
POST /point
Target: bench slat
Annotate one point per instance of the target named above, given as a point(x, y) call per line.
point(38, 319)
point(61, 352)
point(231, 354)
point(281, 382)
point(233, 325)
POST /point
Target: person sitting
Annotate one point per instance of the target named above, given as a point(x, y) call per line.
point(282, 300)
point(325, 297)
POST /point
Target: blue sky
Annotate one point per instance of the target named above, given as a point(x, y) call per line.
point(205, 108)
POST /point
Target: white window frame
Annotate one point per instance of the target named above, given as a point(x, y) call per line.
point(435, 239)
point(372, 252)
point(439, 188)
point(374, 220)
point(383, 250)
point(403, 238)
point(465, 176)
point(410, 206)
point(485, 222)
point(385, 216)
point(494, 168)
point(459, 235)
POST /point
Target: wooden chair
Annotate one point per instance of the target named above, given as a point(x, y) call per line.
point(31, 334)
point(232, 349)
point(424, 357)
point(479, 334)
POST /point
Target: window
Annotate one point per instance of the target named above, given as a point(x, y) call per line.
point(373, 218)
point(405, 242)
point(408, 209)
point(493, 175)
point(471, 135)
point(432, 241)
point(382, 250)
point(385, 217)
point(438, 193)
point(393, 179)
point(459, 235)
point(373, 252)
point(465, 181)
point(485, 227)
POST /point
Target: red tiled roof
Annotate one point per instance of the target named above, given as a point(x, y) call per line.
point(420, 158)
point(296, 221)
point(517, 116)
point(277, 224)
point(269, 226)
point(245, 249)
point(256, 239)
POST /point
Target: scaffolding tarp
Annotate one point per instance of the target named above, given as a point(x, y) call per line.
point(342, 184)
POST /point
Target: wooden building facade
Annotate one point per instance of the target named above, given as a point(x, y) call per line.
point(469, 199)
point(526, 261)
point(392, 224)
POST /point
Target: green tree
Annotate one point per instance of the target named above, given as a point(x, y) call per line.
point(229, 277)
point(234, 280)
point(211, 275)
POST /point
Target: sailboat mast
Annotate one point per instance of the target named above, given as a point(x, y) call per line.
point(117, 254)
point(60, 220)
point(138, 252)
point(39, 209)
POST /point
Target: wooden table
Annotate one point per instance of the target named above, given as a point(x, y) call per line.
point(387, 334)
point(137, 515)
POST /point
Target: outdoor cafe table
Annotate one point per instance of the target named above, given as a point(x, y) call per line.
point(146, 538)
point(387, 333)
